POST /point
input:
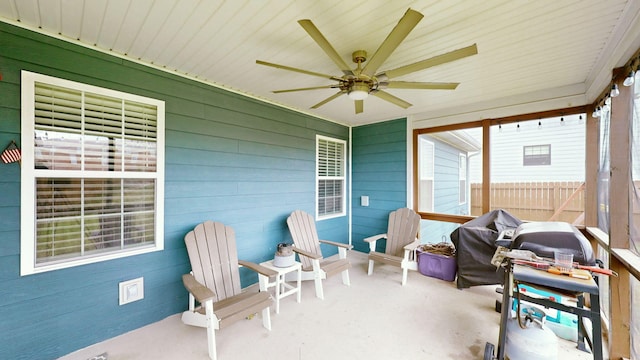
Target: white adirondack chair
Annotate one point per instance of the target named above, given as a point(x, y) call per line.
point(214, 282)
point(401, 243)
point(307, 245)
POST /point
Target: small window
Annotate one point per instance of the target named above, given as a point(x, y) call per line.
point(462, 178)
point(536, 155)
point(92, 174)
point(331, 180)
point(426, 158)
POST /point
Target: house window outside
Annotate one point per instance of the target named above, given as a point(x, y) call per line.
point(426, 160)
point(331, 179)
point(92, 174)
point(536, 155)
point(462, 178)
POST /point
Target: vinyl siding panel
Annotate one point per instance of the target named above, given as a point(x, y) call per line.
point(567, 152)
point(229, 158)
point(446, 193)
point(380, 172)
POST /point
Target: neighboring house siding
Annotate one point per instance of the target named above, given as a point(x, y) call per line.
point(446, 185)
point(446, 193)
point(229, 158)
point(567, 153)
point(380, 172)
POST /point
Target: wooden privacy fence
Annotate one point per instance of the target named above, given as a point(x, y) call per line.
point(535, 201)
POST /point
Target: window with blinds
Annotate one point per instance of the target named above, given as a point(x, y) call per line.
point(331, 169)
point(93, 187)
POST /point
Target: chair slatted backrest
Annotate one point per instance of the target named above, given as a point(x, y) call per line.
point(303, 231)
point(403, 228)
point(214, 259)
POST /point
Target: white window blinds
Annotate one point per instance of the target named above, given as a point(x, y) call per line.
point(331, 160)
point(96, 172)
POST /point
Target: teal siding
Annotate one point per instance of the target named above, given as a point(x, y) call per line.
point(229, 158)
point(380, 172)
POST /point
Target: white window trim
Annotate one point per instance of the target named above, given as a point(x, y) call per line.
point(536, 146)
point(343, 178)
point(28, 176)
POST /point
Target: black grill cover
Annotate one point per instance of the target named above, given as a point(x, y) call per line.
point(544, 238)
point(475, 246)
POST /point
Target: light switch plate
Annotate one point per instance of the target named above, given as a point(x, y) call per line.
point(131, 290)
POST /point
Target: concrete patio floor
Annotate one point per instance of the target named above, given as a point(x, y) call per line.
point(374, 318)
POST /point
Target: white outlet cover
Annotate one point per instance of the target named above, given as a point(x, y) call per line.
point(364, 200)
point(131, 290)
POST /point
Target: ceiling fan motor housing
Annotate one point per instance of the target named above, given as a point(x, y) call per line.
point(359, 90)
point(359, 56)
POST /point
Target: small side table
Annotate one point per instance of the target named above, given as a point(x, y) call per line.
point(282, 288)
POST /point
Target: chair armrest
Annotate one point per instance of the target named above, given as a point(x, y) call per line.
point(199, 291)
point(258, 268)
point(307, 254)
point(373, 238)
point(413, 245)
point(346, 246)
point(410, 251)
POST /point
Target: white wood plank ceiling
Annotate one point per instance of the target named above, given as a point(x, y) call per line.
point(551, 52)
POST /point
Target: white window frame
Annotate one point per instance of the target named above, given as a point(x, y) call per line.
point(343, 178)
point(534, 151)
point(29, 174)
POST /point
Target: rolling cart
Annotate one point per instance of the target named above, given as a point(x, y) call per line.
point(515, 274)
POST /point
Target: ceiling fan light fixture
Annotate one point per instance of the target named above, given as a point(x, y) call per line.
point(359, 91)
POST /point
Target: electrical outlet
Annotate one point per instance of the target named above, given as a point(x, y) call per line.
point(364, 200)
point(131, 290)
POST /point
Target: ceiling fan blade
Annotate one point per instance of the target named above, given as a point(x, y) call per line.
point(304, 89)
point(284, 67)
point(427, 63)
point(332, 97)
point(359, 106)
point(408, 21)
point(418, 85)
point(390, 98)
point(324, 44)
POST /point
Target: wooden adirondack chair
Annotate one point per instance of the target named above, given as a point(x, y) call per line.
point(307, 245)
point(401, 243)
point(214, 282)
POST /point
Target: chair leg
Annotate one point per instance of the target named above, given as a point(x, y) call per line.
point(404, 275)
point(319, 292)
point(266, 318)
point(211, 332)
point(370, 271)
point(317, 278)
point(345, 278)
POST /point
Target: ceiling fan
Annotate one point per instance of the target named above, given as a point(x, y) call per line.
point(358, 83)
